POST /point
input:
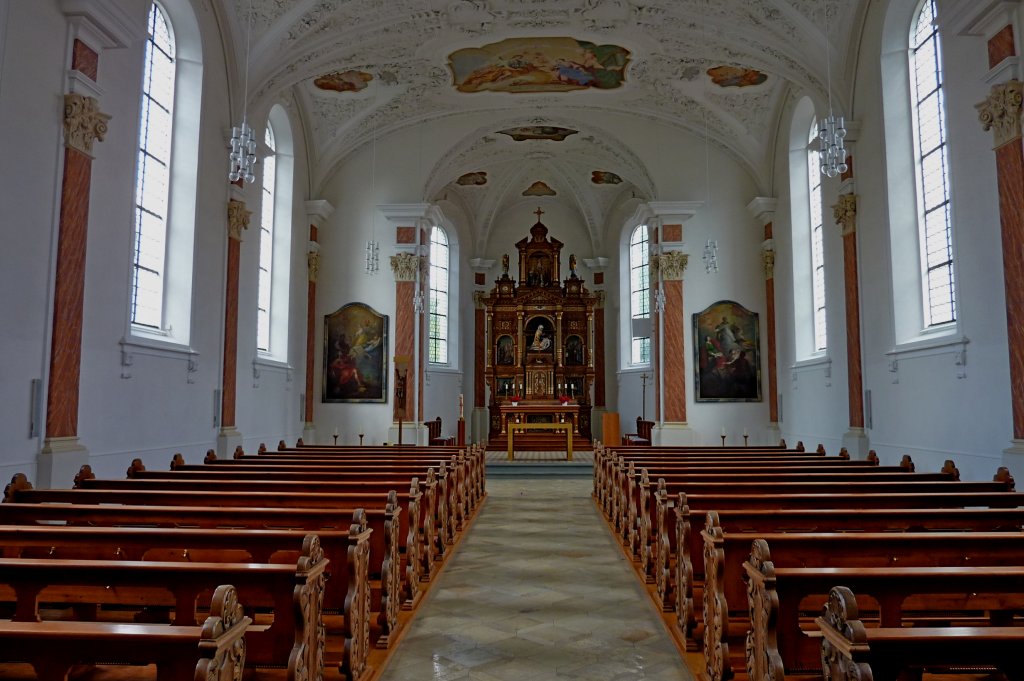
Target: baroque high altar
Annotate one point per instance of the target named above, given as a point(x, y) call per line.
point(540, 341)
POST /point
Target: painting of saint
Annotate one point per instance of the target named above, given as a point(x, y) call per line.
point(539, 188)
point(523, 133)
point(604, 177)
point(727, 361)
point(573, 351)
point(540, 335)
point(355, 355)
point(541, 64)
point(474, 179)
point(506, 354)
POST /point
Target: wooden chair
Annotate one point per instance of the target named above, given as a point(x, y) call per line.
point(642, 436)
point(434, 437)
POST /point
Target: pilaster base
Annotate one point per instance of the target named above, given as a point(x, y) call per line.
point(1016, 448)
point(59, 462)
point(412, 434)
point(227, 440)
point(856, 442)
point(672, 433)
point(309, 434)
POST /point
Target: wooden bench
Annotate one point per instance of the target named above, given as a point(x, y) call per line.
point(851, 651)
point(294, 593)
point(347, 590)
point(53, 647)
point(778, 599)
point(637, 504)
point(396, 577)
point(725, 596)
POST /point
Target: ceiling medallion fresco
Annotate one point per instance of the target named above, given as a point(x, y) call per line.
point(539, 188)
point(736, 76)
point(542, 64)
point(538, 132)
point(472, 179)
point(343, 81)
point(604, 177)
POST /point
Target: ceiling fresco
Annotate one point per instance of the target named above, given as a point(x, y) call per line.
point(720, 71)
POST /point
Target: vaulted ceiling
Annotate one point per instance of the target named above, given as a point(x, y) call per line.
point(359, 69)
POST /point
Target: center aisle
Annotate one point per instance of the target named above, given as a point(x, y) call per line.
point(537, 590)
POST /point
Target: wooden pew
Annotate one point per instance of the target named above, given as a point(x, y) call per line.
point(851, 651)
point(725, 597)
point(455, 486)
point(900, 596)
point(347, 591)
point(636, 503)
point(53, 647)
point(396, 581)
point(294, 640)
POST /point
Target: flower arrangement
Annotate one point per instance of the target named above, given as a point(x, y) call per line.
point(515, 398)
point(564, 399)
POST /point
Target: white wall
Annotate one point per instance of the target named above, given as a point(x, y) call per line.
point(924, 408)
point(156, 406)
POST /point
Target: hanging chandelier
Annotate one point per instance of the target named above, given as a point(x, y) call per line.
point(710, 256)
point(242, 158)
point(832, 132)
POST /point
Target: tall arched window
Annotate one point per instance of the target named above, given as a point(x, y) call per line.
point(266, 269)
point(817, 243)
point(640, 296)
point(929, 116)
point(272, 301)
point(152, 178)
point(166, 177)
point(439, 282)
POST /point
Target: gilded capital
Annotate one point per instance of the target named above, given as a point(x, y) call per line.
point(1001, 111)
point(478, 299)
point(238, 219)
point(313, 264)
point(83, 122)
point(845, 213)
point(672, 264)
point(768, 258)
point(599, 299)
point(405, 265)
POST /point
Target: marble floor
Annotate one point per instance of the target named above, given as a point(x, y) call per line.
point(537, 590)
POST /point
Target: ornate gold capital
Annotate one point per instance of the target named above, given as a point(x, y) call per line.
point(238, 219)
point(672, 264)
point(478, 299)
point(313, 263)
point(83, 122)
point(845, 213)
point(1001, 111)
point(405, 266)
point(599, 299)
point(768, 258)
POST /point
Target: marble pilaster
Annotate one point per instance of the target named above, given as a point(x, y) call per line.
point(763, 210)
point(318, 212)
point(237, 221)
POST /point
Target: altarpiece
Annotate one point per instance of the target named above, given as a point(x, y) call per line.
point(540, 340)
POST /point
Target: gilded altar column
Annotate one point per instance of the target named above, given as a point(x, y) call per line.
point(91, 29)
point(763, 210)
point(237, 221)
point(318, 212)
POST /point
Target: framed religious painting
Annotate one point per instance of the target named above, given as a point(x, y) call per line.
point(355, 355)
point(726, 348)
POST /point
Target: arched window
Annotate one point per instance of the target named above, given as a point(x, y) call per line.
point(152, 173)
point(266, 269)
point(640, 296)
point(817, 243)
point(166, 177)
point(930, 154)
point(921, 247)
point(275, 238)
point(439, 282)
point(810, 336)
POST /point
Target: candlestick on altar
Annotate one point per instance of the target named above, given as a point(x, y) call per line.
point(723, 436)
point(461, 415)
